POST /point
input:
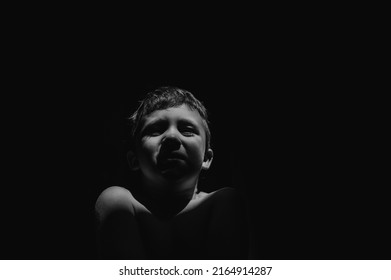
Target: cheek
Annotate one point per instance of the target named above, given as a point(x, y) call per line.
point(147, 150)
point(196, 151)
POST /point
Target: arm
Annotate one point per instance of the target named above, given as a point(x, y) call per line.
point(228, 236)
point(118, 234)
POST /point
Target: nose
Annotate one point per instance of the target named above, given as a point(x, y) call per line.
point(171, 141)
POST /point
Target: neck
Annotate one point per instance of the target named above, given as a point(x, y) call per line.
point(168, 199)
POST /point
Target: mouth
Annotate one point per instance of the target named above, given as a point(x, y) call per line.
point(171, 156)
point(171, 160)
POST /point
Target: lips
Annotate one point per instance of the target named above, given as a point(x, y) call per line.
point(167, 161)
point(171, 156)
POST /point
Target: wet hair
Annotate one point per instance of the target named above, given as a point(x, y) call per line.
point(163, 98)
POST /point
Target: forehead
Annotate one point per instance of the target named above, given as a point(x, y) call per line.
point(180, 113)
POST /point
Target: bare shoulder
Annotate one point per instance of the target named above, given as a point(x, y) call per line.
point(227, 194)
point(112, 199)
point(226, 191)
point(113, 195)
point(221, 198)
point(228, 200)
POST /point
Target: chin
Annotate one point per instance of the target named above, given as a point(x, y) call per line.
point(173, 176)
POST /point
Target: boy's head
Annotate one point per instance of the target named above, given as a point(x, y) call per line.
point(168, 97)
point(171, 137)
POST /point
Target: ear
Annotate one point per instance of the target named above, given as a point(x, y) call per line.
point(132, 161)
point(207, 159)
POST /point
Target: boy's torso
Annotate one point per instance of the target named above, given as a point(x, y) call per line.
point(183, 234)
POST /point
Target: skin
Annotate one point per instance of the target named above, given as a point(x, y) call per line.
point(172, 152)
point(166, 218)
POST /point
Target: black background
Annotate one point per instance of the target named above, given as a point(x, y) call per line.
point(291, 127)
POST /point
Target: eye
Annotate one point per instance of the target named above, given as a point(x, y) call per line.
point(187, 130)
point(153, 130)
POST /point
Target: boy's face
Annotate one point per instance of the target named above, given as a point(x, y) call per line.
point(172, 145)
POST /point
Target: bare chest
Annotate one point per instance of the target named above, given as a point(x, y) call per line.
point(182, 235)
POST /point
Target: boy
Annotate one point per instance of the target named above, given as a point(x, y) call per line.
point(165, 217)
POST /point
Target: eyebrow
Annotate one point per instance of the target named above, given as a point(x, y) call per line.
point(181, 121)
point(188, 121)
point(151, 122)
